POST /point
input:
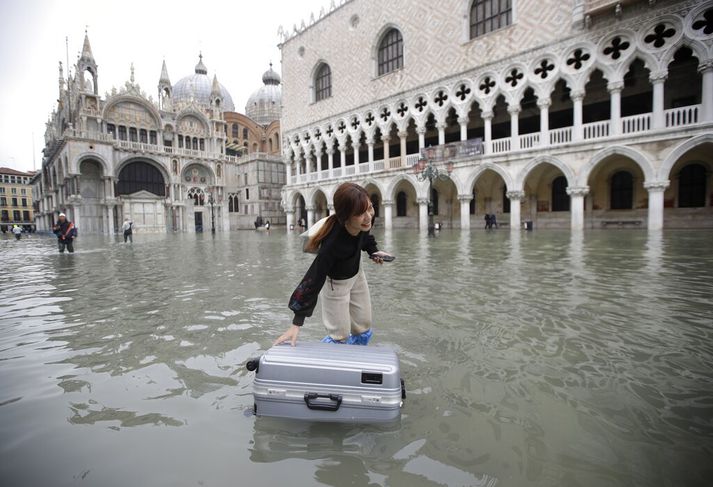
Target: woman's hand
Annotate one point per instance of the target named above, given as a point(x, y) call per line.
point(378, 257)
point(289, 336)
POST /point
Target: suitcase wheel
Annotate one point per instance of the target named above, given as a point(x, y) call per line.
point(253, 364)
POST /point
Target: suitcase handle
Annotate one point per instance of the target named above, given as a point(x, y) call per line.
point(320, 406)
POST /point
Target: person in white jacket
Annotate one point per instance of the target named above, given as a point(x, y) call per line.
point(128, 228)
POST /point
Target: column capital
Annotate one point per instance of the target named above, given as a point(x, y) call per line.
point(422, 201)
point(387, 203)
point(420, 129)
point(544, 102)
point(465, 198)
point(515, 195)
point(309, 208)
point(656, 186)
point(370, 140)
point(330, 207)
point(441, 125)
point(290, 210)
point(705, 66)
point(658, 77)
point(385, 138)
point(330, 150)
point(462, 120)
point(403, 134)
point(615, 86)
point(513, 109)
point(577, 95)
point(578, 190)
point(487, 115)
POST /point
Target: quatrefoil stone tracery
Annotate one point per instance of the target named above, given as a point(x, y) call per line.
point(544, 68)
point(659, 35)
point(514, 77)
point(463, 92)
point(420, 104)
point(487, 85)
point(616, 47)
point(579, 57)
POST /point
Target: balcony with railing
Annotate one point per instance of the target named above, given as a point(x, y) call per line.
point(472, 148)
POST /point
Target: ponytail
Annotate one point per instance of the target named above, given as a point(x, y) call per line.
point(316, 240)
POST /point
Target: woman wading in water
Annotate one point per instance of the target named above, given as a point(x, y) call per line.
point(346, 304)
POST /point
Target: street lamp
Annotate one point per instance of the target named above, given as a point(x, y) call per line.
point(425, 169)
point(211, 203)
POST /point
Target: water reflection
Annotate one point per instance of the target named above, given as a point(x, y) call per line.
point(537, 358)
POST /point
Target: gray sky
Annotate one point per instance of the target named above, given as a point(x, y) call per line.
point(238, 40)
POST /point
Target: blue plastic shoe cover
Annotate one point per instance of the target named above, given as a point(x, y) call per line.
point(360, 339)
point(329, 339)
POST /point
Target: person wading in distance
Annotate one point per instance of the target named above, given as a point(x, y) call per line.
point(336, 276)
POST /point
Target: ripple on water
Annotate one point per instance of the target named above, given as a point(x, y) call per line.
point(538, 359)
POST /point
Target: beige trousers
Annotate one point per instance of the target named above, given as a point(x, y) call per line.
point(346, 306)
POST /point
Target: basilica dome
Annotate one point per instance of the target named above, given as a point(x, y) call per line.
point(263, 106)
point(198, 87)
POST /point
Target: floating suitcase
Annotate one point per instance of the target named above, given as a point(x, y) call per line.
point(328, 382)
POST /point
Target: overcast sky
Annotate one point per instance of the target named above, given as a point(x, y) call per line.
point(238, 40)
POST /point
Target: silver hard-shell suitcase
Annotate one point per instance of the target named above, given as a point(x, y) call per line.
point(328, 382)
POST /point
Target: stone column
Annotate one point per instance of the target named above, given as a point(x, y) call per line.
point(615, 107)
point(77, 218)
point(402, 139)
point(488, 119)
point(706, 70)
point(576, 205)
point(514, 127)
point(421, 131)
point(515, 197)
point(656, 191)
point(310, 216)
point(355, 148)
point(577, 98)
point(463, 121)
point(290, 212)
point(658, 117)
point(308, 164)
point(388, 207)
point(423, 214)
point(298, 166)
point(465, 200)
point(288, 171)
point(441, 133)
point(330, 159)
point(330, 208)
point(342, 154)
point(544, 106)
point(385, 140)
point(370, 149)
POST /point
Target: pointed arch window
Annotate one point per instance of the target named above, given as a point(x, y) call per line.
point(489, 15)
point(391, 52)
point(323, 82)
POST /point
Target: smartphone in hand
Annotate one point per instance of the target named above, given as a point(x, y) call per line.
point(385, 258)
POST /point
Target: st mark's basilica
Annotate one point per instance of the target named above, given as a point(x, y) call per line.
point(187, 161)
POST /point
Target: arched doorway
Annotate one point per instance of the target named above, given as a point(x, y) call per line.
point(546, 200)
point(489, 196)
point(617, 197)
point(406, 214)
point(91, 187)
point(141, 187)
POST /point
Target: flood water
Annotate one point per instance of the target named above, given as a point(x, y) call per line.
point(543, 358)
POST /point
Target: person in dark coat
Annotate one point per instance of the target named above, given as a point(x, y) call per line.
point(65, 231)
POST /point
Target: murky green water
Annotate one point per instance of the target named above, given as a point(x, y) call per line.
point(535, 359)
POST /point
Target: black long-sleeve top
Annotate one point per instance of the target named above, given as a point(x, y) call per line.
point(338, 258)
